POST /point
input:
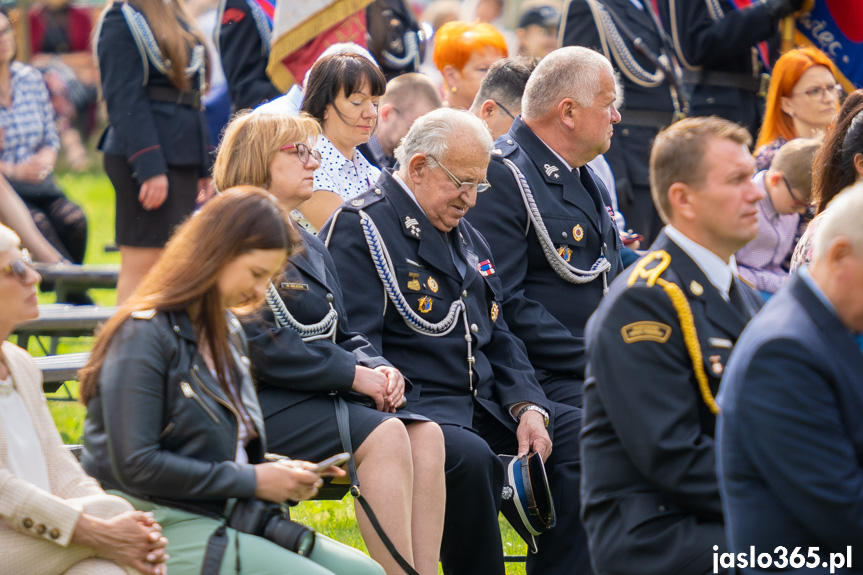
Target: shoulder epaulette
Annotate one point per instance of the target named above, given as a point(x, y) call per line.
point(144, 314)
point(364, 200)
point(649, 268)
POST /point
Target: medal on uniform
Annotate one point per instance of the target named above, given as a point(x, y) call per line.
point(578, 233)
point(715, 364)
point(495, 311)
point(425, 304)
point(414, 282)
point(485, 268)
point(432, 283)
point(565, 252)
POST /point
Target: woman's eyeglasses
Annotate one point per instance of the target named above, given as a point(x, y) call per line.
point(20, 267)
point(303, 152)
point(818, 92)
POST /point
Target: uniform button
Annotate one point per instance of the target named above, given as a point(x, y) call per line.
point(711, 100)
point(245, 360)
point(177, 328)
point(474, 328)
point(509, 142)
point(474, 393)
point(27, 523)
point(626, 131)
point(41, 529)
point(135, 175)
point(464, 293)
point(54, 533)
point(378, 191)
point(563, 235)
point(662, 508)
point(330, 298)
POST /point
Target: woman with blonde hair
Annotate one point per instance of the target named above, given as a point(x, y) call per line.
point(55, 519)
point(153, 68)
point(463, 53)
point(310, 365)
point(173, 421)
point(802, 100)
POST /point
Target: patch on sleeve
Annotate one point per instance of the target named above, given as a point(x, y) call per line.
point(232, 15)
point(645, 331)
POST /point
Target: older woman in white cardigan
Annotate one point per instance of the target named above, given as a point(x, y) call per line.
point(53, 517)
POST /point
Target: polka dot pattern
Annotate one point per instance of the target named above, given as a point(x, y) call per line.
point(345, 177)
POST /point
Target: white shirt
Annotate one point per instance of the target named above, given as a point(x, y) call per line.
point(343, 176)
point(718, 272)
point(24, 451)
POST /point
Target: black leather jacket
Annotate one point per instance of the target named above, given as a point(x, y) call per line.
point(160, 428)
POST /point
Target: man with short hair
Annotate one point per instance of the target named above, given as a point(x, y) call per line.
point(426, 294)
point(498, 101)
point(407, 97)
point(549, 219)
point(789, 436)
point(657, 346)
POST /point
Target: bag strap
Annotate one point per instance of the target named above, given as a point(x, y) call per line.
point(342, 418)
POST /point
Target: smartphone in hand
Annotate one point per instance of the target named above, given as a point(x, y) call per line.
point(335, 461)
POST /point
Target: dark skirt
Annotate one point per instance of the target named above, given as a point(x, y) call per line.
point(309, 430)
point(136, 227)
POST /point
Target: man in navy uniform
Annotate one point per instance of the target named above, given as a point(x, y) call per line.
point(790, 435)
point(548, 218)
point(242, 34)
point(629, 33)
point(657, 347)
point(724, 50)
point(427, 294)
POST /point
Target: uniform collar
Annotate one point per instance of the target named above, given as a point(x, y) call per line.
point(718, 272)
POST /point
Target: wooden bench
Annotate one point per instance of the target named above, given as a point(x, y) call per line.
point(61, 320)
point(58, 369)
point(74, 277)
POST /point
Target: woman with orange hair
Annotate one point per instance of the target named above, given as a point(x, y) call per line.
point(463, 53)
point(802, 100)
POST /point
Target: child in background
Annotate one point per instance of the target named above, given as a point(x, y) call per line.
point(787, 186)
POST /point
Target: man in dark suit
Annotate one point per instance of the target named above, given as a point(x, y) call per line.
point(724, 52)
point(657, 347)
point(424, 290)
point(558, 255)
point(629, 33)
point(790, 435)
point(243, 40)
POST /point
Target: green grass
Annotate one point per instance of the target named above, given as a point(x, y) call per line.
point(93, 192)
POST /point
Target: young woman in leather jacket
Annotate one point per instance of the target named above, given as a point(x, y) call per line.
point(173, 423)
point(308, 363)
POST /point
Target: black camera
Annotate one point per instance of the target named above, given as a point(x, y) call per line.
point(268, 520)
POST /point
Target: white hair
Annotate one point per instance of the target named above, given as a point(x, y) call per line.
point(571, 72)
point(841, 218)
point(9, 240)
point(431, 134)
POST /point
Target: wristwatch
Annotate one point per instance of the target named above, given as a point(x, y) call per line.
point(535, 408)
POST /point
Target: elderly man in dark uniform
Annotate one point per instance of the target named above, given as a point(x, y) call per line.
point(722, 45)
point(790, 434)
point(657, 349)
point(425, 291)
point(629, 33)
point(242, 34)
point(548, 218)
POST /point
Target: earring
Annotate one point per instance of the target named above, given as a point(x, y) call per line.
point(454, 89)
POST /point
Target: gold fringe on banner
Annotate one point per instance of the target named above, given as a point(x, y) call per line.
point(292, 41)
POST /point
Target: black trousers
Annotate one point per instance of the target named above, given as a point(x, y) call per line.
point(474, 481)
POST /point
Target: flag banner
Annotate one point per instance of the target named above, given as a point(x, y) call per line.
point(303, 30)
point(836, 28)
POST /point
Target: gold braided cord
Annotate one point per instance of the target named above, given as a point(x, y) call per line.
point(690, 339)
point(684, 315)
point(651, 275)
